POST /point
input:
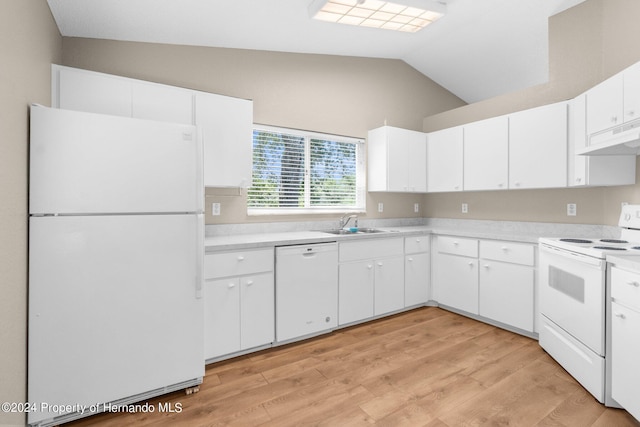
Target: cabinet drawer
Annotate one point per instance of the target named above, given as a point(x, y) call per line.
point(516, 253)
point(416, 244)
point(458, 246)
point(625, 287)
point(370, 249)
point(237, 263)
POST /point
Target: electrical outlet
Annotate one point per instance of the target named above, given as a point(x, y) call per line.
point(572, 209)
point(380, 207)
point(465, 208)
point(215, 209)
point(416, 207)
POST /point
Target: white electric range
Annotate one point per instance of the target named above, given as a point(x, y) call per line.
point(575, 302)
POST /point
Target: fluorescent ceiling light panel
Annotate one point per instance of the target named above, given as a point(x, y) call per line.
point(410, 17)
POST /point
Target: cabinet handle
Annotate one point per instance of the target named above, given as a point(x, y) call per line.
point(470, 263)
point(620, 315)
point(456, 187)
point(517, 184)
point(240, 258)
point(505, 248)
point(486, 266)
point(614, 119)
point(231, 285)
point(500, 185)
point(379, 264)
point(633, 283)
point(455, 243)
point(578, 180)
point(631, 113)
point(417, 240)
point(249, 282)
point(369, 266)
point(410, 259)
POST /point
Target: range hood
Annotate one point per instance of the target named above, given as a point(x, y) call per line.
point(619, 140)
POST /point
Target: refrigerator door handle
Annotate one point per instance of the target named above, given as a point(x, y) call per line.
point(199, 255)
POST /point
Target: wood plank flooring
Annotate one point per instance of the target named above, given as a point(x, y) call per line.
point(426, 367)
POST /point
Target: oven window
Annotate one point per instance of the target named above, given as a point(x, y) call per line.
point(567, 283)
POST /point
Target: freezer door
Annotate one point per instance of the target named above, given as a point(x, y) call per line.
point(113, 310)
point(92, 163)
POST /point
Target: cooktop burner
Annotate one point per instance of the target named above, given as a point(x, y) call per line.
point(613, 241)
point(576, 241)
point(610, 248)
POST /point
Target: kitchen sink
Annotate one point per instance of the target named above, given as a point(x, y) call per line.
point(347, 232)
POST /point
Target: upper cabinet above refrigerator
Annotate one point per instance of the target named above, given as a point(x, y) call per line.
point(224, 123)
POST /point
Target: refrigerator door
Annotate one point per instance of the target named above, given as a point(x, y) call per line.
point(85, 163)
point(113, 311)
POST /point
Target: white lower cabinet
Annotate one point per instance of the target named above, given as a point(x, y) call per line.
point(490, 278)
point(507, 283)
point(625, 346)
point(416, 270)
point(456, 273)
point(239, 309)
point(371, 278)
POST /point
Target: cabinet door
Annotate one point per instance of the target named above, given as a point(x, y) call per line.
point(444, 160)
point(257, 310)
point(625, 354)
point(506, 293)
point(221, 317)
point(604, 104)
point(355, 291)
point(81, 90)
point(538, 147)
point(397, 161)
point(225, 124)
point(457, 282)
point(417, 155)
point(416, 279)
point(486, 154)
point(388, 285)
point(163, 103)
point(631, 106)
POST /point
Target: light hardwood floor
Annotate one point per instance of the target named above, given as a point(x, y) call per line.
point(425, 367)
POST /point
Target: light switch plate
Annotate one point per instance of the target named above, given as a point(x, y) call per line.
point(215, 209)
point(465, 208)
point(572, 209)
point(416, 207)
point(380, 207)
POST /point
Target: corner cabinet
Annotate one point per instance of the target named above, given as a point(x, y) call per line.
point(445, 160)
point(491, 280)
point(224, 123)
point(239, 302)
point(397, 160)
point(538, 147)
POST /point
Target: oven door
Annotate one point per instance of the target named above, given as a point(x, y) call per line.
point(572, 294)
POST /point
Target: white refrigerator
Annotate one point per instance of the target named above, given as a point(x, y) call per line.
point(115, 262)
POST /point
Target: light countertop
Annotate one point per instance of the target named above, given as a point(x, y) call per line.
point(261, 240)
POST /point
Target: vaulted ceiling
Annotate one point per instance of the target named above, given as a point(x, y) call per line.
point(478, 50)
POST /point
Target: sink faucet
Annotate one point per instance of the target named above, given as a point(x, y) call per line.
point(345, 220)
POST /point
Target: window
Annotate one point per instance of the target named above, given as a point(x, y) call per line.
point(296, 171)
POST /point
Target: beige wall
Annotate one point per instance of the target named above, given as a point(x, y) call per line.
point(587, 44)
point(332, 94)
point(29, 43)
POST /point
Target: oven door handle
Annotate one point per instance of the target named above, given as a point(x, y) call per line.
point(595, 262)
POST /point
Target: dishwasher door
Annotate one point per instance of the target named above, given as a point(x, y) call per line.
point(306, 290)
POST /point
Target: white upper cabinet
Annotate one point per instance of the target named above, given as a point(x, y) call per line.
point(397, 160)
point(614, 101)
point(593, 170)
point(92, 92)
point(538, 147)
point(226, 126)
point(486, 154)
point(224, 123)
point(163, 103)
point(444, 160)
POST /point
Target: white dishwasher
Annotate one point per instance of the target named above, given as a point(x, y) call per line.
point(306, 290)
